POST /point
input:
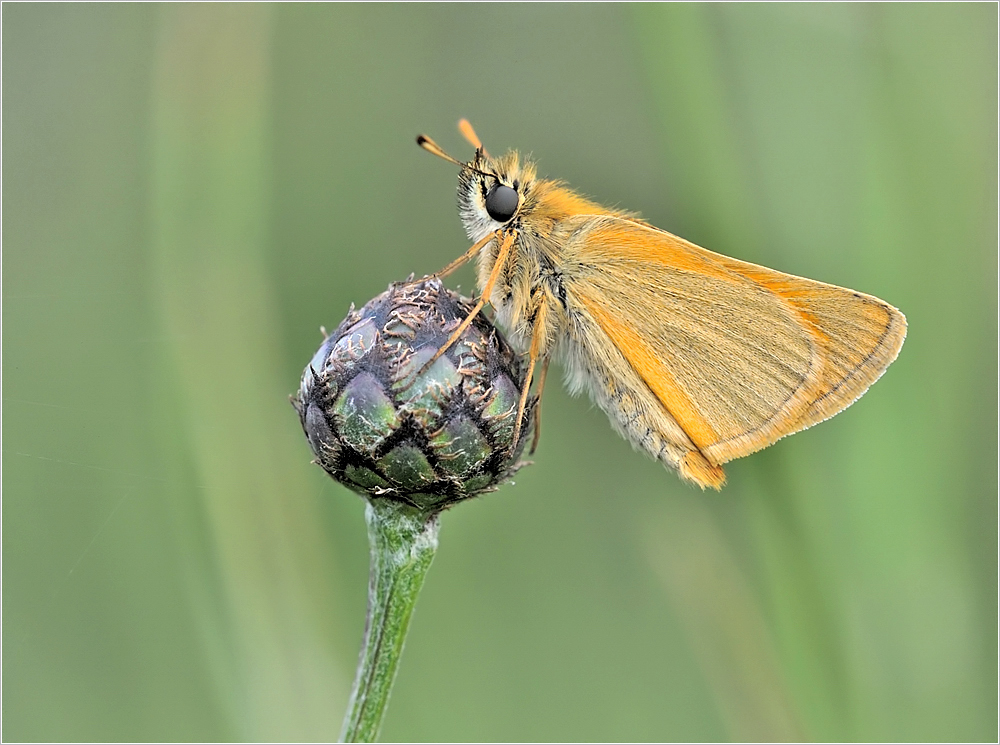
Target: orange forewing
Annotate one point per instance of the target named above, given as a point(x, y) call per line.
point(727, 402)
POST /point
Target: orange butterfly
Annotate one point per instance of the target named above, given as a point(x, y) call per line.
point(697, 358)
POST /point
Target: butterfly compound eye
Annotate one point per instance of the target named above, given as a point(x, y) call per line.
point(501, 202)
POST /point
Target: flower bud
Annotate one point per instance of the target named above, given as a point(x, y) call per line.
point(381, 425)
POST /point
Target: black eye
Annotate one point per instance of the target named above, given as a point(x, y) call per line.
point(501, 202)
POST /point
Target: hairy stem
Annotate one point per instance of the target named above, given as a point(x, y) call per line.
point(403, 542)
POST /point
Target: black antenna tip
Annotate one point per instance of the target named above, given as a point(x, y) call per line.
point(421, 139)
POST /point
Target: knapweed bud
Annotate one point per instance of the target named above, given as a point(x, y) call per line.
point(384, 427)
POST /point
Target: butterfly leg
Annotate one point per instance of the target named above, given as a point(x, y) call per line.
point(470, 254)
point(538, 407)
point(502, 255)
point(537, 336)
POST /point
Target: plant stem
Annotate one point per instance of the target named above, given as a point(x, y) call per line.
point(403, 541)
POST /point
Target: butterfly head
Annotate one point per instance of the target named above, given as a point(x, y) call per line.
point(493, 192)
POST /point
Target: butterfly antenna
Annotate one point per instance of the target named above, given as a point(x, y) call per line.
point(470, 134)
point(434, 149)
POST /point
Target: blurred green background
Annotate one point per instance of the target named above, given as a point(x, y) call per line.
point(190, 191)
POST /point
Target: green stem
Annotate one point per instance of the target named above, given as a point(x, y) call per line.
point(403, 541)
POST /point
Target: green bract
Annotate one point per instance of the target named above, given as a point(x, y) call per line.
point(381, 427)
